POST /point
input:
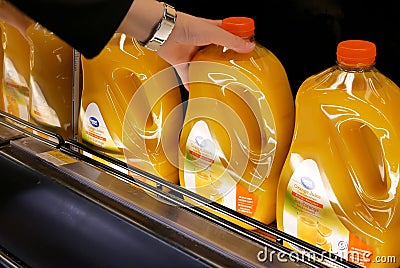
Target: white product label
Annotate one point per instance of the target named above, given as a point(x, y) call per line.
point(94, 129)
point(309, 216)
point(40, 108)
point(15, 91)
point(205, 174)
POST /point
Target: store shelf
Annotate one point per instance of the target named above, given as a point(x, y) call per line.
point(63, 209)
point(46, 225)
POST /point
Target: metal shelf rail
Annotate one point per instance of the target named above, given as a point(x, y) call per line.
point(208, 237)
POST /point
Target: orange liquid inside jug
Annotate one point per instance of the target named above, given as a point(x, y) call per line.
point(121, 116)
point(343, 165)
point(237, 127)
point(15, 86)
point(1, 72)
point(51, 81)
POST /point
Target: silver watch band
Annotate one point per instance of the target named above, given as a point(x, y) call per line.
point(162, 30)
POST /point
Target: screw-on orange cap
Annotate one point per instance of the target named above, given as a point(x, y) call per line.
point(354, 52)
point(240, 26)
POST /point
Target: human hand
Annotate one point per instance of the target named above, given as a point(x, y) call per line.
point(14, 17)
point(187, 37)
point(190, 34)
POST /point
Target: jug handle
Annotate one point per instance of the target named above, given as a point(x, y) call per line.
point(379, 194)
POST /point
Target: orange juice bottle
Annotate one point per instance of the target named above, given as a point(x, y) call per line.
point(131, 107)
point(1, 73)
point(50, 81)
point(15, 86)
point(238, 126)
point(342, 170)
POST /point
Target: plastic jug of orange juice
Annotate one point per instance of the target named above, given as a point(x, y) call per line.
point(1, 72)
point(128, 94)
point(50, 81)
point(238, 126)
point(339, 187)
point(15, 86)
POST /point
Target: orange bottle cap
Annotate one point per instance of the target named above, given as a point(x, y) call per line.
point(240, 26)
point(355, 52)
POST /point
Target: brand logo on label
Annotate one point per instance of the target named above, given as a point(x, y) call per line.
point(199, 141)
point(307, 182)
point(94, 122)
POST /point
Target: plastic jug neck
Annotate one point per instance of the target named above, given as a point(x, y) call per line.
point(356, 55)
point(240, 26)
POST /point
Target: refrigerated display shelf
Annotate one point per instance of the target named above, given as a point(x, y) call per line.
point(61, 208)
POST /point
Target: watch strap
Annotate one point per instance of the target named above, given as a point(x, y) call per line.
point(163, 29)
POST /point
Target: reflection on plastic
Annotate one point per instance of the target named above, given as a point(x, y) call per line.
point(15, 86)
point(123, 114)
point(237, 127)
point(1, 70)
point(152, 124)
point(343, 167)
point(50, 81)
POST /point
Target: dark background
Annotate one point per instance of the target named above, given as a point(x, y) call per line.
point(304, 34)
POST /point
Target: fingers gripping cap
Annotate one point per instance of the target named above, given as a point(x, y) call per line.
point(240, 26)
point(355, 52)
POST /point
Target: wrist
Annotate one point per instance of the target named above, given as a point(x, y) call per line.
point(142, 17)
point(12, 16)
point(162, 30)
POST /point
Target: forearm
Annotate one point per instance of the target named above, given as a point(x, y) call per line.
point(141, 19)
point(14, 17)
point(87, 25)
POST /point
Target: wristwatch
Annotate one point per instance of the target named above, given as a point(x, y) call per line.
point(163, 29)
